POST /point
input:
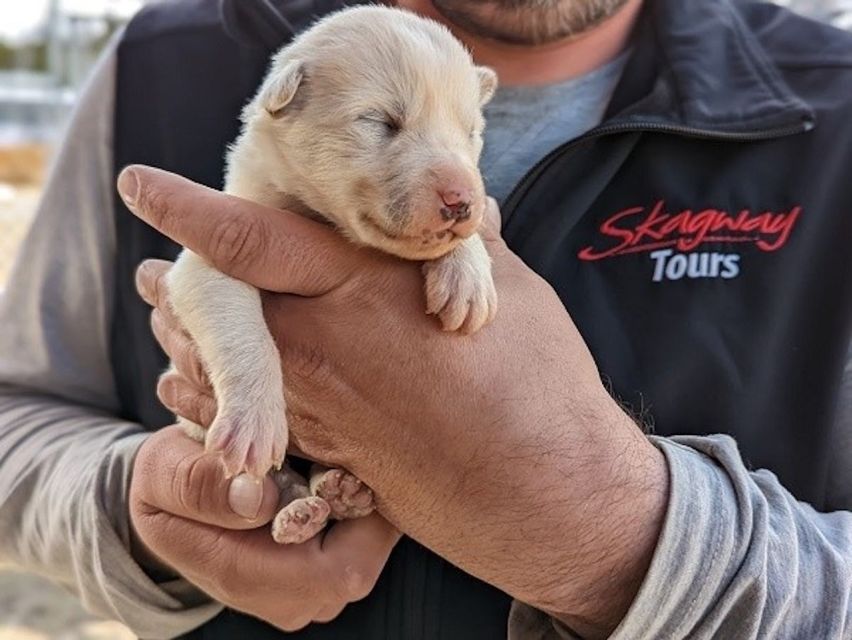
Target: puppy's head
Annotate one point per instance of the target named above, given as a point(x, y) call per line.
point(375, 116)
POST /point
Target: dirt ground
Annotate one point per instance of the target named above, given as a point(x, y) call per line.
point(17, 205)
point(34, 609)
point(22, 169)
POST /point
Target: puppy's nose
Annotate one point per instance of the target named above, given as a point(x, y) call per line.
point(456, 204)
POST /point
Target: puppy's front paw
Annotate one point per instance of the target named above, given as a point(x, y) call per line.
point(460, 288)
point(253, 440)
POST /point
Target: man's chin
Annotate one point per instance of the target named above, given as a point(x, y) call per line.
point(527, 24)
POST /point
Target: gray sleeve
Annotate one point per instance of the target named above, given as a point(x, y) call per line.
point(840, 470)
point(738, 558)
point(65, 459)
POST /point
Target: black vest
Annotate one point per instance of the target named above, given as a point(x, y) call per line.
point(698, 238)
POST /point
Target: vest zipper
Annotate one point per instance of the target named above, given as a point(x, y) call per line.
point(511, 203)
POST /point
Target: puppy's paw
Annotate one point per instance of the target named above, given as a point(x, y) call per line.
point(460, 288)
point(300, 520)
point(345, 494)
point(252, 440)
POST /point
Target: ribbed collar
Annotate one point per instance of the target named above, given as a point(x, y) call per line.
point(698, 65)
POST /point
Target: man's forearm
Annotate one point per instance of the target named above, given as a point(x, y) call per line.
point(64, 473)
point(569, 520)
point(564, 514)
point(620, 520)
point(599, 509)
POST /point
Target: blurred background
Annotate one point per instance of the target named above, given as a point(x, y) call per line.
point(47, 48)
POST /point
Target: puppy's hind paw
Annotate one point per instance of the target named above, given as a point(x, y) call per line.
point(347, 496)
point(300, 520)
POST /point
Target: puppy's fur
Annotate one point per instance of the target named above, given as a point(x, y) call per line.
point(372, 121)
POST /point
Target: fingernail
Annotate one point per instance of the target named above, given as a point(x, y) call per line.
point(128, 186)
point(142, 281)
point(245, 496)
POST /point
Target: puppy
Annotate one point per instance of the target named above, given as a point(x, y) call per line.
point(371, 121)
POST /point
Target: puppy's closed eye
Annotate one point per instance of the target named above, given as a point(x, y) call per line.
point(381, 121)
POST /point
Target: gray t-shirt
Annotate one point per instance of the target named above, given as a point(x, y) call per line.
point(739, 558)
point(523, 124)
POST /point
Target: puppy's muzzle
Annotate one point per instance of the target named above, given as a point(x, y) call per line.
point(460, 211)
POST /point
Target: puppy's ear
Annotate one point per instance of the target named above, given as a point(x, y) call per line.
point(280, 87)
point(487, 84)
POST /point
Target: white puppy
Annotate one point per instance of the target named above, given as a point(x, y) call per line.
point(371, 120)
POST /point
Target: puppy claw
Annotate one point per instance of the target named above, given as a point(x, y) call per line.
point(454, 315)
point(300, 520)
point(437, 296)
point(345, 494)
point(249, 442)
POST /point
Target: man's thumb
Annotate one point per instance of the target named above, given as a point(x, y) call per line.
point(173, 474)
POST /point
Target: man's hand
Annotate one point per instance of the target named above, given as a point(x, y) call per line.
point(190, 520)
point(501, 451)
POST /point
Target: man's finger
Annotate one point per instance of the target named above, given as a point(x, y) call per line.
point(356, 551)
point(182, 351)
point(186, 400)
point(271, 249)
point(153, 288)
point(173, 474)
point(210, 557)
point(329, 612)
point(151, 282)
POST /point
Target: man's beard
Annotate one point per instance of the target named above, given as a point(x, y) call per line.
point(527, 22)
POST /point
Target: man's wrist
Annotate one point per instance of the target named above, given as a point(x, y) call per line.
point(615, 533)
